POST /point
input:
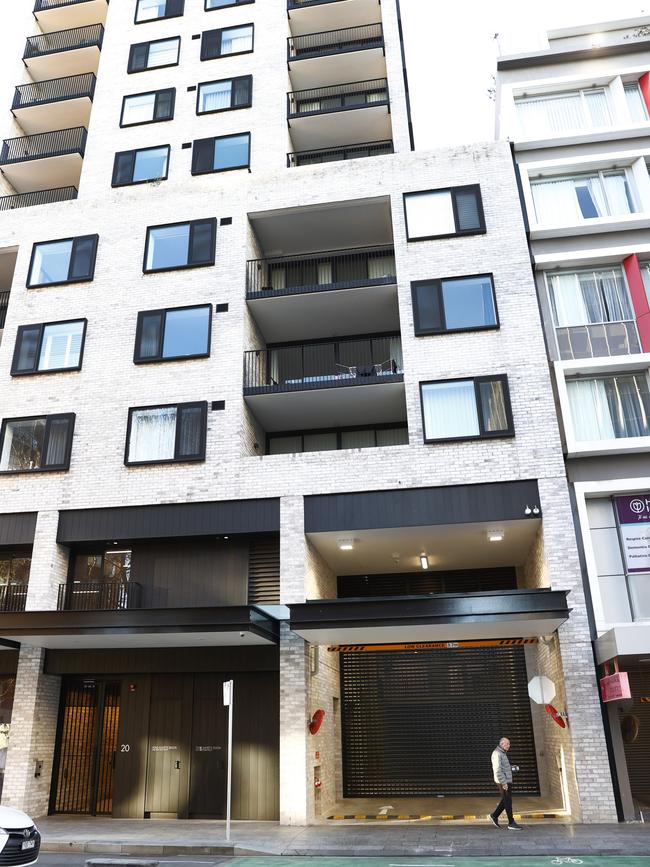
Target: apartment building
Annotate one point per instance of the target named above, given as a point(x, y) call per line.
point(577, 112)
point(275, 408)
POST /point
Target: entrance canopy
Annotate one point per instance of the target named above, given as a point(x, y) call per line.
point(444, 617)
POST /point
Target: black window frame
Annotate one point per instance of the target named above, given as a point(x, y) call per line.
point(220, 31)
point(191, 224)
point(339, 431)
point(230, 5)
point(483, 434)
point(75, 240)
point(202, 404)
point(53, 468)
point(436, 283)
point(149, 42)
point(233, 79)
point(42, 326)
point(459, 232)
point(160, 358)
point(136, 151)
point(214, 139)
point(154, 119)
point(162, 17)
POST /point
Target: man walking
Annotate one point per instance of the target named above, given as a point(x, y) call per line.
point(502, 773)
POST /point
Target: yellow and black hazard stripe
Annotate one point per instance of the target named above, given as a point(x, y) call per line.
point(385, 817)
point(432, 645)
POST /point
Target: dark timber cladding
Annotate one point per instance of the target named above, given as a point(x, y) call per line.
point(420, 507)
point(18, 528)
point(173, 520)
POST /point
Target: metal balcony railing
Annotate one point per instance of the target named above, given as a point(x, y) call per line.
point(333, 269)
point(54, 90)
point(352, 361)
point(4, 303)
point(13, 596)
point(98, 596)
point(337, 97)
point(40, 197)
point(335, 41)
point(44, 5)
point(64, 40)
point(331, 155)
point(43, 145)
point(599, 339)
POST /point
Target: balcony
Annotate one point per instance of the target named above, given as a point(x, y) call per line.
point(602, 339)
point(98, 596)
point(12, 596)
point(310, 16)
point(349, 53)
point(64, 53)
point(61, 103)
point(44, 161)
point(333, 292)
point(326, 384)
point(332, 155)
point(55, 15)
point(340, 115)
point(41, 197)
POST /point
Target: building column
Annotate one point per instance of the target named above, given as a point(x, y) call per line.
point(49, 567)
point(588, 774)
point(30, 753)
point(296, 795)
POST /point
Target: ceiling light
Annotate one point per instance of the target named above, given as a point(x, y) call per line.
point(495, 535)
point(346, 544)
point(424, 560)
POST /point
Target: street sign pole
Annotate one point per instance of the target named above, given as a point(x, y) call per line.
point(228, 702)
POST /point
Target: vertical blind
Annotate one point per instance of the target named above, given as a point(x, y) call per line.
point(610, 407)
point(555, 113)
point(590, 296)
point(583, 197)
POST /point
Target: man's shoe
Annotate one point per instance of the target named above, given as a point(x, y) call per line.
point(494, 821)
point(513, 826)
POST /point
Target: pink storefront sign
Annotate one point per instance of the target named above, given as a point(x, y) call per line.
point(614, 687)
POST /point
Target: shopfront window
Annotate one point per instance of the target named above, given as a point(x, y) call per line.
point(7, 687)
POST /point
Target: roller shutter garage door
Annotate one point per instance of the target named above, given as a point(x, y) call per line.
point(637, 753)
point(425, 722)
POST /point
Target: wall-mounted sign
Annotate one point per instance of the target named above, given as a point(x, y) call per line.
point(614, 687)
point(634, 519)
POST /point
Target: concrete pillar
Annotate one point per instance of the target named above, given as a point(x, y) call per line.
point(49, 567)
point(32, 736)
point(614, 711)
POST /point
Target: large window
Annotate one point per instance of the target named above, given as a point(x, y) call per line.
point(150, 10)
point(48, 348)
point(36, 443)
point(166, 434)
point(148, 107)
point(585, 197)
point(561, 112)
point(180, 245)
point(71, 260)
point(221, 154)
point(645, 274)
point(224, 95)
point(165, 335)
point(154, 55)
point(222, 4)
point(140, 166)
point(610, 407)
point(331, 440)
point(635, 102)
point(442, 213)
point(453, 304)
point(228, 40)
point(461, 409)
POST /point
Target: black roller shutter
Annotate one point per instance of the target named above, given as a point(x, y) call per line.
point(637, 752)
point(425, 722)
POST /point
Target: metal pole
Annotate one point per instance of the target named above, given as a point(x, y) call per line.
point(229, 785)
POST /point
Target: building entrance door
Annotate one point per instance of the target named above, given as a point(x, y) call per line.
point(209, 749)
point(167, 759)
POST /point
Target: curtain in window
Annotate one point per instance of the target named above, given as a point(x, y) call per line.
point(567, 300)
point(285, 445)
point(162, 53)
point(320, 442)
point(153, 433)
point(589, 297)
point(237, 39)
point(394, 436)
point(191, 429)
point(555, 201)
point(596, 103)
point(635, 103)
point(216, 96)
point(381, 266)
point(645, 274)
point(150, 9)
point(589, 194)
point(57, 442)
point(450, 410)
point(618, 195)
point(396, 353)
point(358, 439)
point(493, 405)
point(61, 346)
point(590, 410)
point(139, 109)
point(629, 405)
point(551, 114)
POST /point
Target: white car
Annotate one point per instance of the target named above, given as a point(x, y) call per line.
point(19, 838)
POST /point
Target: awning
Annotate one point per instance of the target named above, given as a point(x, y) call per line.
point(443, 617)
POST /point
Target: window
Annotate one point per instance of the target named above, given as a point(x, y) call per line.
point(635, 102)
point(442, 213)
point(321, 441)
point(585, 197)
point(36, 443)
point(229, 40)
point(138, 167)
point(221, 154)
point(610, 407)
point(71, 260)
point(560, 112)
point(453, 304)
point(49, 348)
point(645, 274)
point(224, 95)
point(464, 409)
point(150, 10)
point(180, 245)
point(166, 434)
point(148, 107)
point(164, 335)
point(153, 55)
point(222, 4)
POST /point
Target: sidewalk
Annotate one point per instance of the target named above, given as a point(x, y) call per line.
point(177, 837)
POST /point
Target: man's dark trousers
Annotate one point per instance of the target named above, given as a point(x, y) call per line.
point(505, 803)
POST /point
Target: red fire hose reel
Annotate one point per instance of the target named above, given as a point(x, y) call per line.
point(551, 711)
point(316, 721)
